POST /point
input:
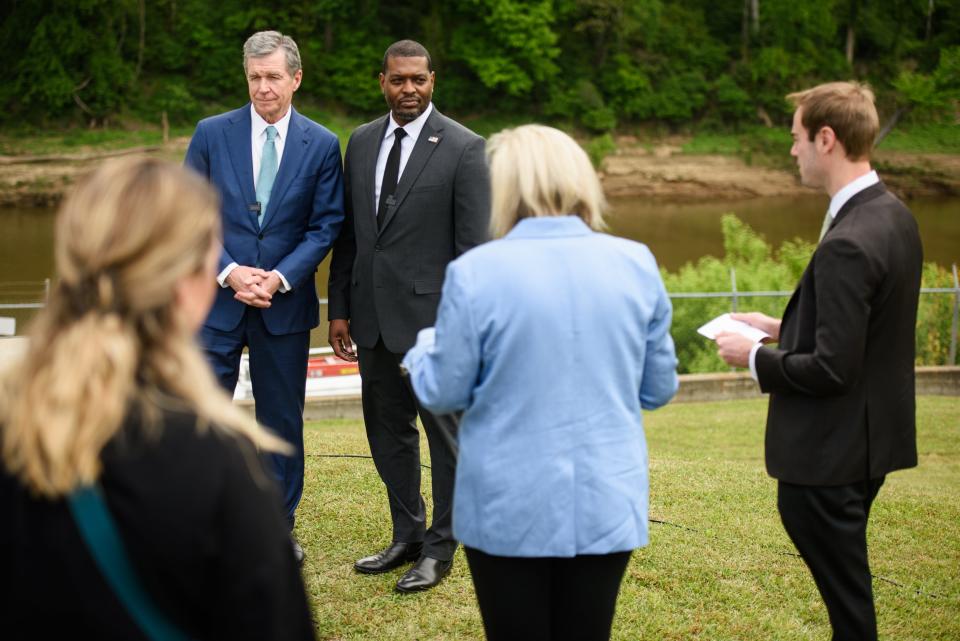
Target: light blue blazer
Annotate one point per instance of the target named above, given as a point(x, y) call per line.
point(550, 340)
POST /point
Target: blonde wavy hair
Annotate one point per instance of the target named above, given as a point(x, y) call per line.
point(540, 171)
point(110, 340)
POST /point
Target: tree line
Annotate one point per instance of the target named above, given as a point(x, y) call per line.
point(596, 64)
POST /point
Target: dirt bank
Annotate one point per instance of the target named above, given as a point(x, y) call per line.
point(666, 173)
point(40, 181)
point(633, 170)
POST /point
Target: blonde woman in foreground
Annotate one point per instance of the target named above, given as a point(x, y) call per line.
point(114, 400)
point(551, 340)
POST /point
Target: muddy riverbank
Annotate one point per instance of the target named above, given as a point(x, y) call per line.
point(665, 173)
point(660, 172)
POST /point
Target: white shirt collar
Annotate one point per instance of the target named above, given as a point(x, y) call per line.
point(412, 128)
point(258, 125)
point(850, 190)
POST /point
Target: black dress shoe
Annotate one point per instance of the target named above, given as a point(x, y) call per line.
point(298, 552)
point(425, 574)
point(394, 556)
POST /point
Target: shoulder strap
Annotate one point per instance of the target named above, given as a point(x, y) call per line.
point(99, 532)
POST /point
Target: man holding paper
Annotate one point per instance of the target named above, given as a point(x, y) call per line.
point(841, 380)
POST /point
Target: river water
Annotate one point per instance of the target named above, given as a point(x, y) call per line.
point(676, 233)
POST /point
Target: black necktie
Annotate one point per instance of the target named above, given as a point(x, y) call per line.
point(390, 176)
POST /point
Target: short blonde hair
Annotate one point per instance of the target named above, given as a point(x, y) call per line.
point(540, 171)
point(110, 340)
point(845, 107)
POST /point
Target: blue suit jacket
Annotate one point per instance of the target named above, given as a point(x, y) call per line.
point(301, 222)
point(550, 340)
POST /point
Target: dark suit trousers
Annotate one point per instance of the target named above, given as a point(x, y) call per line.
point(829, 527)
point(547, 599)
point(278, 374)
point(390, 411)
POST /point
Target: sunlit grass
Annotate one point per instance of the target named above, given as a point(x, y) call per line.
point(720, 568)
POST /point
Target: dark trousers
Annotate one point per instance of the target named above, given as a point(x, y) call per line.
point(547, 599)
point(829, 527)
point(278, 374)
point(390, 411)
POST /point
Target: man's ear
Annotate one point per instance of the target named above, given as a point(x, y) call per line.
point(826, 140)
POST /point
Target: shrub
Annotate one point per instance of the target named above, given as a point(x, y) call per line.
point(757, 267)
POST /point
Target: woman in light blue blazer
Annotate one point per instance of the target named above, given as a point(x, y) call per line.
point(550, 340)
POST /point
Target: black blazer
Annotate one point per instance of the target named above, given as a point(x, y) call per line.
point(388, 282)
point(202, 524)
point(841, 381)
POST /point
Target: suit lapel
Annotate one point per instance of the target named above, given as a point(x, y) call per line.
point(237, 135)
point(430, 138)
point(857, 199)
point(290, 163)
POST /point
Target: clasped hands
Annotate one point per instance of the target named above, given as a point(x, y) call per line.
point(253, 286)
point(734, 349)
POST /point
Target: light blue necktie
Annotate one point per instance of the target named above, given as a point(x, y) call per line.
point(268, 172)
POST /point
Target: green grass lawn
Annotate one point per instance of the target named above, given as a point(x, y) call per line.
point(722, 568)
point(82, 140)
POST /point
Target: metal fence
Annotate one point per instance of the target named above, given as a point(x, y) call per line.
point(735, 296)
point(41, 290)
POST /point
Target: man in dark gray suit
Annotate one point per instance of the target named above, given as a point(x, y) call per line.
point(417, 196)
point(841, 381)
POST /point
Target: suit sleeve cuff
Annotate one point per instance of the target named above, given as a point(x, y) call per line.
point(284, 285)
point(426, 339)
point(753, 361)
point(222, 276)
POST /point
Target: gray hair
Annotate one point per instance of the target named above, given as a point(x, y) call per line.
point(263, 43)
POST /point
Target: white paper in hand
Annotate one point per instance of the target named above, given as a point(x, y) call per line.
point(723, 323)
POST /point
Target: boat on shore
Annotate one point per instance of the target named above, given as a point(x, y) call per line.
point(327, 376)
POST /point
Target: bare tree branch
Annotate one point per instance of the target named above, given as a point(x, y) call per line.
point(894, 119)
point(80, 103)
point(143, 35)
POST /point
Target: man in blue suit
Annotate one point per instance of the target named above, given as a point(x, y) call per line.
point(280, 180)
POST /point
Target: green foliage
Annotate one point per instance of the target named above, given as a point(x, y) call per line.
point(928, 137)
point(508, 45)
point(933, 95)
point(755, 144)
point(757, 267)
point(584, 102)
point(596, 64)
point(170, 95)
point(731, 101)
point(934, 318)
point(73, 56)
point(599, 148)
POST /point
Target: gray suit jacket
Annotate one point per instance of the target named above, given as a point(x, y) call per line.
point(387, 283)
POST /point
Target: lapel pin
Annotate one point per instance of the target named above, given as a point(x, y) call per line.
point(433, 139)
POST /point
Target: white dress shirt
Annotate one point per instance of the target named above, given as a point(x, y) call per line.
point(258, 136)
point(839, 199)
point(412, 130)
